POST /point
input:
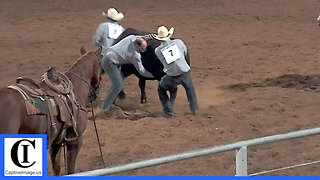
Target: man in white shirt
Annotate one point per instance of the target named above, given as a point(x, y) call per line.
point(172, 55)
point(109, 31)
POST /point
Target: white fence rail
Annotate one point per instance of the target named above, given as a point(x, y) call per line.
point(240, 147)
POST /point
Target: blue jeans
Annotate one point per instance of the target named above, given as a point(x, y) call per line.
point(170, 83)
point(116, 79)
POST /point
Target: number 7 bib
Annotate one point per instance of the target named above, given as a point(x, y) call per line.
point(171, 53)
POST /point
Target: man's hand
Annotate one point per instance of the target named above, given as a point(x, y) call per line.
point(148, 37)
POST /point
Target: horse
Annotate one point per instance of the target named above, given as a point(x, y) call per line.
point(85, 75)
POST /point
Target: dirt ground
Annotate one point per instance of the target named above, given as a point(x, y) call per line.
point(255, 66)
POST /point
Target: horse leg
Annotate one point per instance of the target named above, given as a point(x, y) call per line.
point(73, 150)
point(142, 85)
point(55, 158)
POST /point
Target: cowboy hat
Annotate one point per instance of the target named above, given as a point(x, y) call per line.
point(113, 14)
point(163, 33)
point(318, 20)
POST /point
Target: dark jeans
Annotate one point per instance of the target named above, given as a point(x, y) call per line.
point(170, 83)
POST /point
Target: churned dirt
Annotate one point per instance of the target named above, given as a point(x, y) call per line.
point(255, 66)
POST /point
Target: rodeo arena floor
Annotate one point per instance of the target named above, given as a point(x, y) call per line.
point(254, 64)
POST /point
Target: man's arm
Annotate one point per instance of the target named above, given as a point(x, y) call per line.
point(148, 37)
point(97, 38)
point(185, 51)
point(137, 63)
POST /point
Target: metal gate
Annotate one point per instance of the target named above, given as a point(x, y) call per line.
point(240, 147)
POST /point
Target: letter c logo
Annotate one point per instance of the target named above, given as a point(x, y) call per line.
point(14, 153)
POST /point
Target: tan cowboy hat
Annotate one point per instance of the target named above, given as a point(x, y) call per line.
point(163, 33)
point(113, 14)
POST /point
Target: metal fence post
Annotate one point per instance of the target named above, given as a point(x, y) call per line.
point(241, 161)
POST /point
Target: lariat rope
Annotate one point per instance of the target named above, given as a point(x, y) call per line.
point(95, 127)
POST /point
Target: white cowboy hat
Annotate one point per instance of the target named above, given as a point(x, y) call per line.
point(113, 14)
point(318, 20)
point(163, 33)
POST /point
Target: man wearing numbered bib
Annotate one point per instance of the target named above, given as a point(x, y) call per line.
point(109, 31)
point(172, 55)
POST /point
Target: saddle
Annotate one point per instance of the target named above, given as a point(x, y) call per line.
point(53, 97)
